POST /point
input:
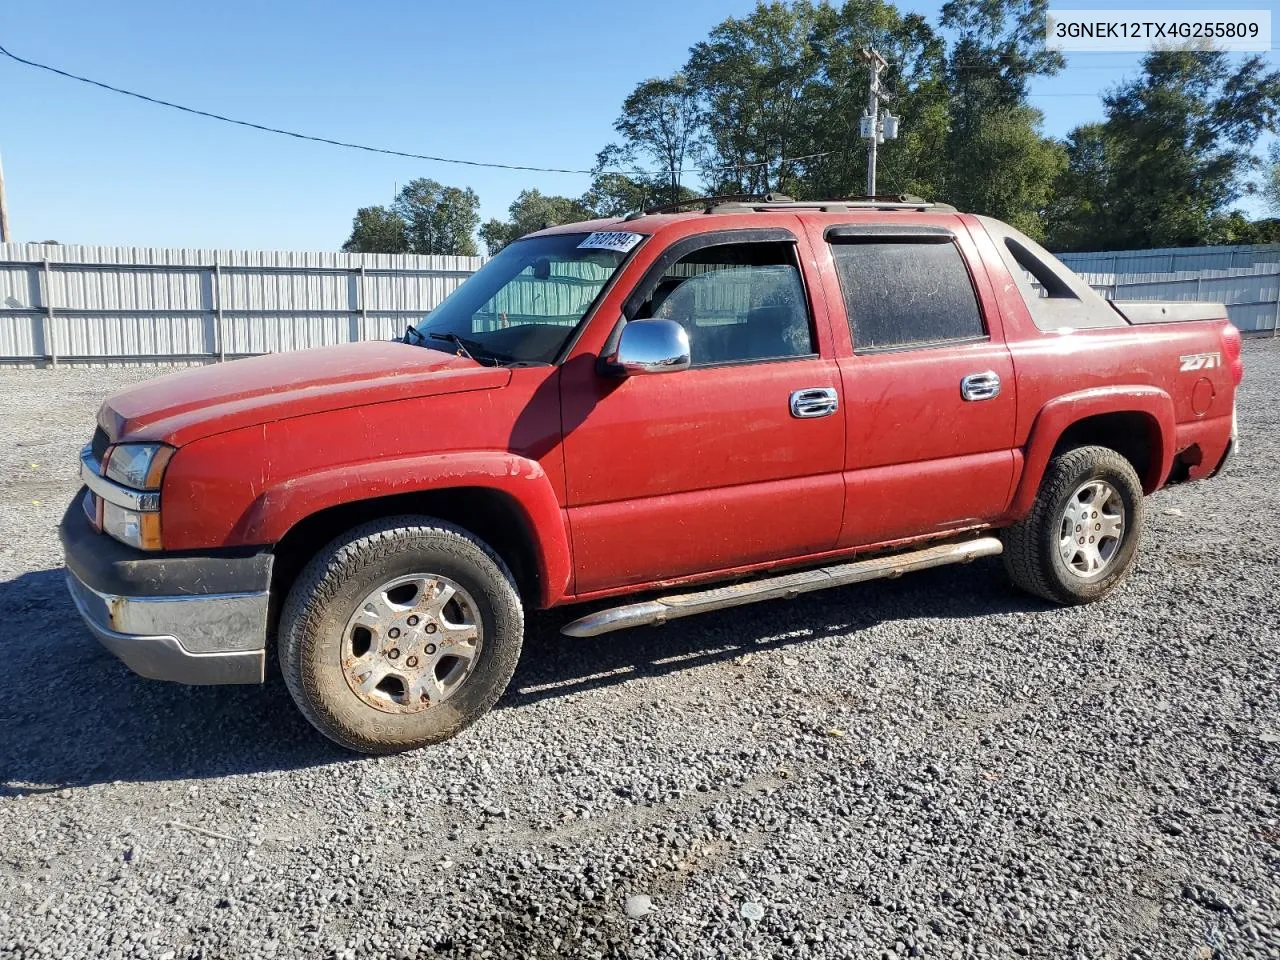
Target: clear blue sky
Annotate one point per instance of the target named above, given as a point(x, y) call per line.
point(507, 80)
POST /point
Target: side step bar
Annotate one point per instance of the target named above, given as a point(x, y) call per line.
point(785, 586)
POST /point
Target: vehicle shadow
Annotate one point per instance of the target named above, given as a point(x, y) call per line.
point(72, 715)
point(553, 665)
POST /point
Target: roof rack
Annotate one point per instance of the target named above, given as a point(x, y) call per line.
point(748, 203)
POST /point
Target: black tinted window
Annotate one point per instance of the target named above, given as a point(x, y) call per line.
point(901, 295)
point(737, 302)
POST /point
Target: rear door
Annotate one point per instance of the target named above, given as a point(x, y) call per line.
point(713, 467)
point(928, 383)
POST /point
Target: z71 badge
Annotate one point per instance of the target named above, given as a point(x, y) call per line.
point(1200, 361)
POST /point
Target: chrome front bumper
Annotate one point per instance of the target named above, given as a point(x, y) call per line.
point(213, 638)
point(186, 616)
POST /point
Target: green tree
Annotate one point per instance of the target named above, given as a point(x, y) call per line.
point(377, 230)
point(1082, 192)
point(1175, 152)
point(532, 210)
point(836, 99)
point(614, 193)
point(752, 75)
point(1271, 179)
point(438, 219)
point(659, 124)
point(999, 162)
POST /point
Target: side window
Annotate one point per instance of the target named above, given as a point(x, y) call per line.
point(904, 295)
point(738, 302)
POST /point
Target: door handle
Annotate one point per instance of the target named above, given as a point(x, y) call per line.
point(980, 386)
point(814, 402)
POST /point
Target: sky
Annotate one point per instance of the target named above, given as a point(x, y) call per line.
point(511, 81)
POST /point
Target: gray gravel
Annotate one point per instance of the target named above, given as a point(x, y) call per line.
point(935, 766)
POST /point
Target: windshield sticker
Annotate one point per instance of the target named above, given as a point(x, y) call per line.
point(621, 242)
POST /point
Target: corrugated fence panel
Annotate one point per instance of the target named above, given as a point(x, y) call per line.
point(89, 335)
point(121, 288)
point(1171, 259)
point(1258, 318)
point(19, 286)
point(407, 292)
point(287, 332)
point(111, 303)
point(1251, 294)
point(282, 292)
point(20, 334)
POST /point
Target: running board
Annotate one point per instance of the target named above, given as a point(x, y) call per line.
point(785, 586)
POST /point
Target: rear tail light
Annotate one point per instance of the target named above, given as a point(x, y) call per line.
point(1231, 343)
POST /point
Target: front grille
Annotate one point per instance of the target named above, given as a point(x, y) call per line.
point(99, 444)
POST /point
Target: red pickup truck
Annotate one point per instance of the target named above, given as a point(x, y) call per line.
point(684, 410)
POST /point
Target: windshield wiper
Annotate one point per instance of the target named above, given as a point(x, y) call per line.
point(457, 341)
point(471, 349)
point(411, 335)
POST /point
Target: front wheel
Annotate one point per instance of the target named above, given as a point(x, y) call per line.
point(1079, 540)
point(399, 634)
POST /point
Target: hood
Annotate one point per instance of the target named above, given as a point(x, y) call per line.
point(185, 406)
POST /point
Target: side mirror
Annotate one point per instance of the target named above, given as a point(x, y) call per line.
point(649, 346)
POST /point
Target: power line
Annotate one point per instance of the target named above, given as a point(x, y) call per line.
point(284, 133)
point(368, 149)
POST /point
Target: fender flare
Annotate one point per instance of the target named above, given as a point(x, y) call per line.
point(283, 505)
point(1059, 414)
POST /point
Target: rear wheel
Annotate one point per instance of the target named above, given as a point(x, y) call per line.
point(1079, 540)
point(399, 634)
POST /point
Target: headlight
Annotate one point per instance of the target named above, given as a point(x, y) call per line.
point(138, 465)
point(141, 530)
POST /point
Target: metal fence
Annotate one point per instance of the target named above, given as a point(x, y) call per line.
point(1172, 259)
point(1252, 294)
point(147, 304)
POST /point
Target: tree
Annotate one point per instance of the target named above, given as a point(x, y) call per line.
point(836, 99)
point(1271, 179)
point(438, 219)
point(659, 123)
point(377, 230)
point(752, 75)
point(615, 194)
point(1006, 169)
point(1174, 153)
point(999, 49)
point(532, 210)
point(1000, 163)
point(1082, 193)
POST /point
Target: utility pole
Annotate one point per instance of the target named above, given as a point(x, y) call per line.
point(5, 236)
point(873, 129)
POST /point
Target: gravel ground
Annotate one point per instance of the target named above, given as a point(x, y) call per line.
point(936, 766)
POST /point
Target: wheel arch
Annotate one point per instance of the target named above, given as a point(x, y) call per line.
point(505, 500)
point(1137, 422)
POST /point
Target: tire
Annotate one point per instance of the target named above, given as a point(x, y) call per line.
point(348, 615)
point(1035, 547)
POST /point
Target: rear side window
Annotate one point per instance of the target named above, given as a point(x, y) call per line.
point(902, 295)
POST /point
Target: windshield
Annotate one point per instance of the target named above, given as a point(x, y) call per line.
point(525, 303)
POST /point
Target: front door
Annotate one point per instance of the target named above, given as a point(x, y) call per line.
point(706, 469)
